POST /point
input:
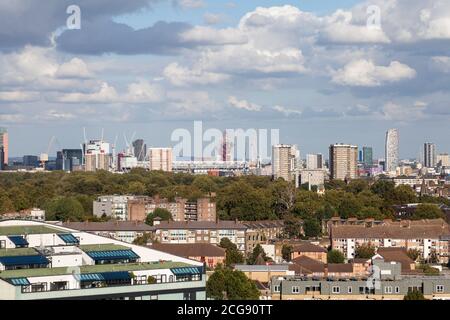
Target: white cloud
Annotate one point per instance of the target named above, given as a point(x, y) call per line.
point(181, 76)
point(397, 112)
point(105, 94)
point(212, 36)
point(364, 73)
point(75, 68)
point(144, 92)
point(286, 111)
point(212, 18)
point(243, 104)
point(191, 4)
point(19, 96)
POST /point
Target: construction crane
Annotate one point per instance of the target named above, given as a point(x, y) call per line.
point(44, 156)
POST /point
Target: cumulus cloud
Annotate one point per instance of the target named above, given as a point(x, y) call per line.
point(182, 76)
point(19, 96)
point(75, 68)
point(364, 73)
point(398, 112)
point(243, 104)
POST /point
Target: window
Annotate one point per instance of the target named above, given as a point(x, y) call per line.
point(350, 290)
point(388, 290)
point(295, 290)
point(440, 289)
point(336, 290)
point(397, 289)
point(276, 288)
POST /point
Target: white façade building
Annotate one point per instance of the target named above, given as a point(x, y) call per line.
point(44, 261)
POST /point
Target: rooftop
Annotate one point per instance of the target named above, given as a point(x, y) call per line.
point(195, 225)
point(109, 226)
point(27, 229)
point(431, 229)
point(308, 247)
point(103, 247)
point(18, 252)
point(43, 272)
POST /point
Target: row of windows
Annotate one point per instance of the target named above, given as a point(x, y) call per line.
point(362, 290)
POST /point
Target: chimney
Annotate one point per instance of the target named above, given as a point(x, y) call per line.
point(325, 271)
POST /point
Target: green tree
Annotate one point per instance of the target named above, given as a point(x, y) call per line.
point(413, 254)
point(286, 252)
point(312, 228)
point(136, 188)
point(427, 211)
point(230, 284)
point(414, 295)
point(365, 251)
point(335, 256)
point(232, 254)
point(258, 252)
point(293, 227)
point(164, 214)
point(404, 194)
point(64, 209)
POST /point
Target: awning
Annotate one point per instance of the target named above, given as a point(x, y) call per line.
point(23, 260)
point(113, 255)
point(187, 271)
point(111, 276)
point(19, 281)
point(18, 241)
point(68, 238)
point(104, 276)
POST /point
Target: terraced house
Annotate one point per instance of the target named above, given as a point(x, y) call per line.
point(43, 261)
point(430, 237)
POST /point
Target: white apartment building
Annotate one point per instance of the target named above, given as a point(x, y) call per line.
point(427, 236)
point(41, 261)
point(112, 206)
point(392, 150)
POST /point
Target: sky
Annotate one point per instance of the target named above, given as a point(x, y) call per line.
point(320, 71)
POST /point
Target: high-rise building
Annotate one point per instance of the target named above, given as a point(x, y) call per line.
point(72, 159)
point(4, 142)
point(367, 158)
point(2, 158)
point(139, 149)
point(343, 161)
point(443, 160)
point(429, 155)
point(160, 159)
point(314, 161)
point(97, 155)
point(284, 161)
point(392, 150)
point(30, 161)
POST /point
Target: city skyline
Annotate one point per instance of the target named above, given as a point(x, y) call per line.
point(328, 77)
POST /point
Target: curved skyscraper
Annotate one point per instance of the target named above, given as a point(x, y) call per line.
point(392, 145)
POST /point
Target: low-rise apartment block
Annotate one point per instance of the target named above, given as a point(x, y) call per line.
point(176, 232)
point(261, 232)
point(429, 237)
point(43, 261)
point(126, 231)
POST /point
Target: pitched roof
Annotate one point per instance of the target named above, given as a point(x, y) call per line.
point(190, 250)
point(196, 225)
point(340, 268)
point(306, 265)
point(396, 255)
point(308, 247)
point(395, 230)
point(264, 224)
point(109, 226)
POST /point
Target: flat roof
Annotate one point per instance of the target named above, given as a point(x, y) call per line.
point(43, 272)
point(28, 229)
point(15, 252)
point(103, 247)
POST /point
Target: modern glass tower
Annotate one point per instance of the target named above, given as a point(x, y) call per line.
point(392, 150)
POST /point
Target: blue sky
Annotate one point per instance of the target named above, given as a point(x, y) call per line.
point(316, 70)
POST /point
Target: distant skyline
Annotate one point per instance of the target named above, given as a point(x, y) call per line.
point(320, 71)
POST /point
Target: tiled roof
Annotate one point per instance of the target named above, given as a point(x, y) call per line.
point(109, 226)
point(264, 224)
point(431, 229)
point(198, 225)
point(396, 255)
point(308, 247)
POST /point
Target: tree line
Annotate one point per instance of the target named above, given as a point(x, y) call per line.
point(248, 198)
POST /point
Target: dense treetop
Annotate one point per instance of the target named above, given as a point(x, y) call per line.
point(70, 195)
